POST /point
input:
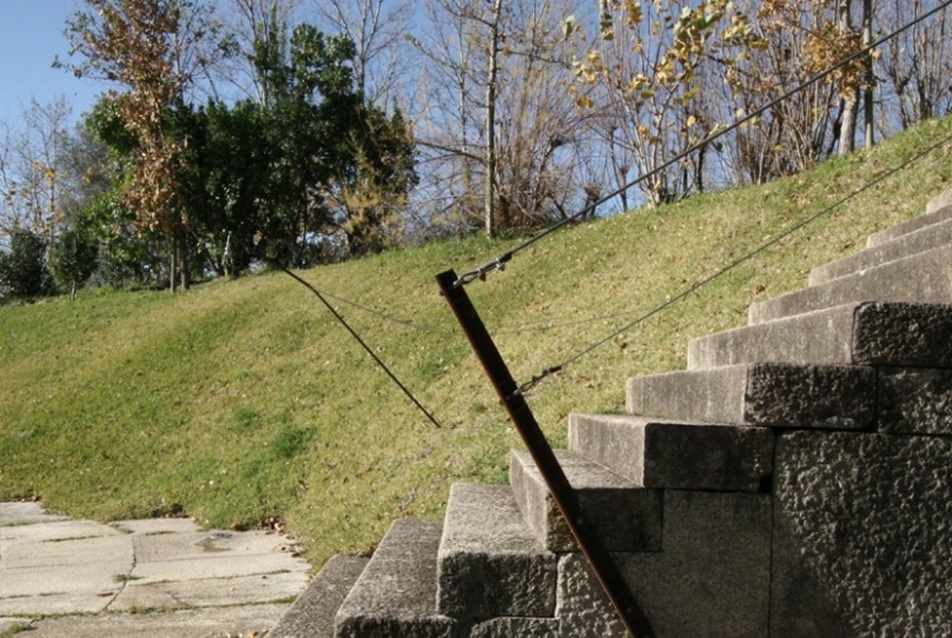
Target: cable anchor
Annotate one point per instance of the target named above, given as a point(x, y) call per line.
point(525, 387)
point(480, 273)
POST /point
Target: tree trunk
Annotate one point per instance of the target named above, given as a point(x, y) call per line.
point(848, 126)
point(490, 188)
point(173, 265)
point(850, 101)
point(184, 270)
point(868, 91)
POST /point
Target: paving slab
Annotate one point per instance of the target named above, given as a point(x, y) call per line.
point(64, 577)
point(237, 590)
point(212, 622)
point(24, 513)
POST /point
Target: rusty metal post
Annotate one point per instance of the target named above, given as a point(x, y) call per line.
point(601, 563)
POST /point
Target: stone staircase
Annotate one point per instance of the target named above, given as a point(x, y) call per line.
point(795, 481)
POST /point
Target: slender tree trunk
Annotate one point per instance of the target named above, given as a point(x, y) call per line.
point(868, 92)
point(848, 126)
point(173, 265)
point(490, 193)
point(183, 260)
point(851, 100)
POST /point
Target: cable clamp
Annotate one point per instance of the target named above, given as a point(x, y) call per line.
point(525, 387)
point(480, 273)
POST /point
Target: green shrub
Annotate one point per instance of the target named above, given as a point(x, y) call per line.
point(23, 272)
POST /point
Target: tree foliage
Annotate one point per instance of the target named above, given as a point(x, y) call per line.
point(649, 71)
point(73, 258)
point(305, 171)
point(23, 272)
point(313, 147)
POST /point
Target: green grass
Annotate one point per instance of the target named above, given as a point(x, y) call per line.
point(16, 630)
point(238, 401)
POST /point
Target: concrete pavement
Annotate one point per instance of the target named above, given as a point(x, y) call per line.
point(162, 577)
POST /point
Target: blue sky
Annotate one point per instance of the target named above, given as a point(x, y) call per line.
point(31, 36)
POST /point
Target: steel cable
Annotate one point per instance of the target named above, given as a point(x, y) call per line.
point(726, 269)
point(500, 262)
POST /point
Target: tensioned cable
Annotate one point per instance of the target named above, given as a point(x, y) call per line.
point(684, 293)
point(362, 343)
point(390, 318)
point(500, 262)
point(411, 325)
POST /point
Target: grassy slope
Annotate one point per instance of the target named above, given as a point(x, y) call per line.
point(242, 400)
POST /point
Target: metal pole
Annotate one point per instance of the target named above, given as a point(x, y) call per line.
point(601, 563)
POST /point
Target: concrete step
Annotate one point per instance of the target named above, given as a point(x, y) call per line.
point(626, 517)
point(913, 243)
point(711, 580)
point(312, 614)
point(863, 333)
point(675, 455)
point(938, 209)
point(931, 272)
point(490, 563)
point(760, 394)
point(396, 593)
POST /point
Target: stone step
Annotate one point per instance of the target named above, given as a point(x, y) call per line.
point(864, 333)
point(490, 563)
point(626, 517)
point(929, 270)
point(938, 209)
point(913, 243)
point(676, 455)
point(760, 394)
point(711, 580)
point(312, 614)
point(396, 593)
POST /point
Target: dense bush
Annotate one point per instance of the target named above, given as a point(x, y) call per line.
point(73, 258)
point(23, 272)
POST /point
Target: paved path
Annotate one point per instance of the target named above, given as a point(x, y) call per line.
point(163, 577)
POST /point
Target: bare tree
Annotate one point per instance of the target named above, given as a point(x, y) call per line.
point(509, 147)
point(541, 131)
point(647, 66)
point(917, 64)
point(244, 23)
point(446, 109)
point(800, 130)
point(8, 184)
point(379, 29)
point(32, 171)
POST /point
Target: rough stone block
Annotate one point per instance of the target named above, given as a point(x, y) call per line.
point(915, 401)
point(711, 580)
point(672, 455)
point(763, 394)
point(624, 516)
point(312, 614)
point(868, 333)
point(862, 547)
point(490, 564)
point(396, 593)
point(521, 627)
